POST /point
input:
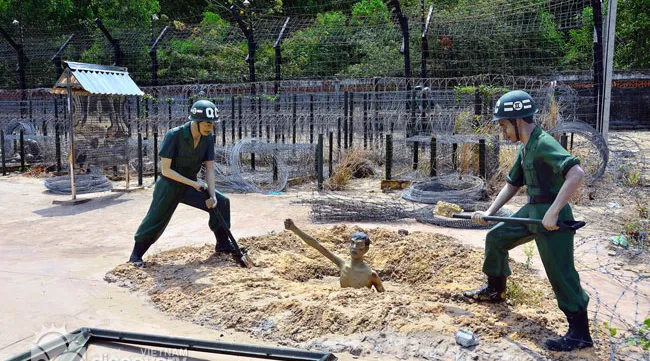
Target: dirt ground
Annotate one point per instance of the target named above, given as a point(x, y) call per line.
point(65, 266)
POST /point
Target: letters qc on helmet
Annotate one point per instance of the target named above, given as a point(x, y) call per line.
point(204, 111)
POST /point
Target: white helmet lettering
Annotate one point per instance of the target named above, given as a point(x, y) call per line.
point(209, 112)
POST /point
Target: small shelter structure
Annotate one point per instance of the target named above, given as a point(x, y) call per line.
point(96, 96)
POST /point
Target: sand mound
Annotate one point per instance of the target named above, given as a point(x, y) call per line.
point(293, 296)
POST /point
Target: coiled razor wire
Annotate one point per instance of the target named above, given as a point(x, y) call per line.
point(336, 208)
point(84, 183)
point(593, 136)
point(451, 188)
point(259, 180)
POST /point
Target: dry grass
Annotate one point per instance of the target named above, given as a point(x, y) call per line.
point(548, 120)
point(355, 164)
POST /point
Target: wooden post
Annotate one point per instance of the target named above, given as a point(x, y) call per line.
point(311, 118)
point(331, 153)
point(294, 119)
point(319, 161)
point(139, 157)
point(155, 153)
point(365, 121)
point(481, 158)
point(345, 120)
point(351, 126)
point(2, 147)
point(22, 150)
point(454, 156)
point(232, 119)
point(57, 140)
point(389, 156)
point(433, 160)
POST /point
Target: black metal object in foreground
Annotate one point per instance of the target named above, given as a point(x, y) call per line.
point(574, 225)
point(77, 341)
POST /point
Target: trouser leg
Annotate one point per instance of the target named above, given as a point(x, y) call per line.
point(500, 239)
point(164, 203)
point(556, 251)
point(197, 199)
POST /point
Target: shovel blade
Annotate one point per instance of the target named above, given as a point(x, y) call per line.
point(244, 260)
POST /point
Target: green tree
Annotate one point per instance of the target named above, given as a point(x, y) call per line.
point(376, 41)
point(632, 47)
point(321, 50)
point(578, 51)
point(125, 13)
point(32, 13)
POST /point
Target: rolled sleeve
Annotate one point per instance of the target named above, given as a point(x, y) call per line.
point(560, 160)
point(567, 164)
point(516, 174)
point(169, 147)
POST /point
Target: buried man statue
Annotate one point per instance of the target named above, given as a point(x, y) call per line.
point(355, 273)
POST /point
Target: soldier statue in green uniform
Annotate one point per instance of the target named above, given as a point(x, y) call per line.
point(551, 176)
point(183, 151)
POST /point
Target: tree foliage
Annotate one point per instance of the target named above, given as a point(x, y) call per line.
point(360, 38)
point(633, 34)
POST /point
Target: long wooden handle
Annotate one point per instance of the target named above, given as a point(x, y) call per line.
point(574, 225)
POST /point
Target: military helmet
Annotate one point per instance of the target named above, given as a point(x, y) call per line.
point(514, 104)
point(204, 111)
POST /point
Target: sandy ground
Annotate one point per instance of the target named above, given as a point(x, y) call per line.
point(55, 261)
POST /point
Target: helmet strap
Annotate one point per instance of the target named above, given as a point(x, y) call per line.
point(514, 123)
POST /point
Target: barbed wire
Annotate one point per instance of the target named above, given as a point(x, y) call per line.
point(341, 45)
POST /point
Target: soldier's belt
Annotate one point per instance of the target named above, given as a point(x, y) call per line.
point(541, 199)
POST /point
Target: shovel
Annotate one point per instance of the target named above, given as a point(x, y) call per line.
point(240, 256)
point(573, 225)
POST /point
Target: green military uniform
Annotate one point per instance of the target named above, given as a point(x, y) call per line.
point(542, 166)
point(178, 146)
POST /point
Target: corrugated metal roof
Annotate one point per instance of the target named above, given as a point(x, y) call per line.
point(89, 79)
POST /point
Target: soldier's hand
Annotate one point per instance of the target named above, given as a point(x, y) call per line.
point(550, 221)
point(477, 217)
point(289, 225)
point(200, 185)
point(211, 202)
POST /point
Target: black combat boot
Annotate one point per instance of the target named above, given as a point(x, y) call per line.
point(223, 243)
point(493, 291)
point(577, 336)
point(139, 249)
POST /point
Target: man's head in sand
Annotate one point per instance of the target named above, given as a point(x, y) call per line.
point(359, 245)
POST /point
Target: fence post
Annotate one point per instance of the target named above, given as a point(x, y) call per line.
point(294, 119)
point(311, 118)
point(331, 153)
point(155, 153)
point(454, 156)
point(481, 158)
point(433, 157)
point(351, 126)
point(232, 120)
point(319, 161)
point(139, 156)
point(345, 120)
point(22, 150)
point(239, 108)
point(389, 156)
point(416, 155)
point(2, 147)
point(275, 170)
point(57, 140)
point(365, 121)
